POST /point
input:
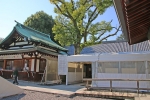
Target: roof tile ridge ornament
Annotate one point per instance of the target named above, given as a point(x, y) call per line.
point(31, 29)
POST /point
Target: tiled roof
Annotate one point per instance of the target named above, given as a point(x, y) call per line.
point(117, 46)
point(24, 50)
point(71, 50)
point(33, 35)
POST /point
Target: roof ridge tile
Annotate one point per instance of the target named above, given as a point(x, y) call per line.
point(23, 26)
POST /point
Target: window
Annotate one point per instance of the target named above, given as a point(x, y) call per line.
point(9, 64)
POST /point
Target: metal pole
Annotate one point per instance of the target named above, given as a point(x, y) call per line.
point(146, 72)
point(82, 71)
point(67, 79)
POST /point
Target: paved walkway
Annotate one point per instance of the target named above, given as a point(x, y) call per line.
point(78, 89)
point(65, 90)
point(48, 90)
point(34, 95)
point(64, 87)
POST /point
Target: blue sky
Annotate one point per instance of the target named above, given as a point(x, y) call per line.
point(19, 10)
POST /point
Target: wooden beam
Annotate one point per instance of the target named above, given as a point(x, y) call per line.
point(139, 15)
point(140, 26)
point(138, 12)
point(4, 65)
point(138, 7)
point(21, 45)
point(35, 64)
point(136, 22)
point(132, 5)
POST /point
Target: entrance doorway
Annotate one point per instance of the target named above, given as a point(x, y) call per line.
point(88, 70)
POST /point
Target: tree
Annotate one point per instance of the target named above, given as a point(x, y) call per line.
point(1, 39)
point(121, 37)
point(75, 22)
point(42, 22)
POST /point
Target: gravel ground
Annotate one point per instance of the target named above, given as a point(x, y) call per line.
point(32, 95)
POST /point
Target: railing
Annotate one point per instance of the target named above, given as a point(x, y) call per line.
point(32, 73)
point(111, 80)
point(1, 72)
point(28, 73)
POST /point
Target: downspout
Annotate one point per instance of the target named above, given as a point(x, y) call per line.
point(96, 72)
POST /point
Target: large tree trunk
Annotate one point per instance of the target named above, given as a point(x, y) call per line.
point(77, 48)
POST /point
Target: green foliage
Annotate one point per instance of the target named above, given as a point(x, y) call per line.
point(75, 22)
point(1, 39)
point(121, 37)
point(42, 22)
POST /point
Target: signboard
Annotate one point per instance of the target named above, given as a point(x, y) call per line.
point(11, 57)
point(62, 65)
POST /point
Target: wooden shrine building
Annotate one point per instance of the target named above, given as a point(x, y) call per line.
point(134, 17)
point(27, 49)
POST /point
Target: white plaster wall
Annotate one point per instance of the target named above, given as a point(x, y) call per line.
point(78, 76)
point(32, 65)
point(124, 57)
point(37, 65)
point(74, 77)
point(71, 77)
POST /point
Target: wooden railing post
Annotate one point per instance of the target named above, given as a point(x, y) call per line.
point(138, 88)
point(4, 65)
point(110, 85)
point(87, 83)
point(138, 85)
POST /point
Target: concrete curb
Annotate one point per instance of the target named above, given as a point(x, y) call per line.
point(103, 94)
point(50, 91)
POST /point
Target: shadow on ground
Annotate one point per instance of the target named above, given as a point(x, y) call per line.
point(15, 97)
point(72, 88)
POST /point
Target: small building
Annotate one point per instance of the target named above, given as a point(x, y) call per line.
point(113, 60)
point(30, 51)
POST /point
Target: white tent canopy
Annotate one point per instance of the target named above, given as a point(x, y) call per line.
point(145, 56)
point(117, 65)
point(82, 58)
point(111, 65)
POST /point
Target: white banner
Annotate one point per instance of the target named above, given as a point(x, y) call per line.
point(62, 65)
point(11, 57)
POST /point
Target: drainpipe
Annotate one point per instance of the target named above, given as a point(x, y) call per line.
point(96, 72)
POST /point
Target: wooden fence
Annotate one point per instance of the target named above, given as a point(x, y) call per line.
point(111, 81)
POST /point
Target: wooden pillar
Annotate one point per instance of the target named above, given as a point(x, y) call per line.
point(138, 86)
point(110, 85)
point(23, 63)
point(4, 65)
point(35, 64)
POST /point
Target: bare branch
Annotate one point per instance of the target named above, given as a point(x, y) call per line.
point(61, 10)
point(104, 30)
point(95, 16)
point(110, 35)
point(89, 20)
